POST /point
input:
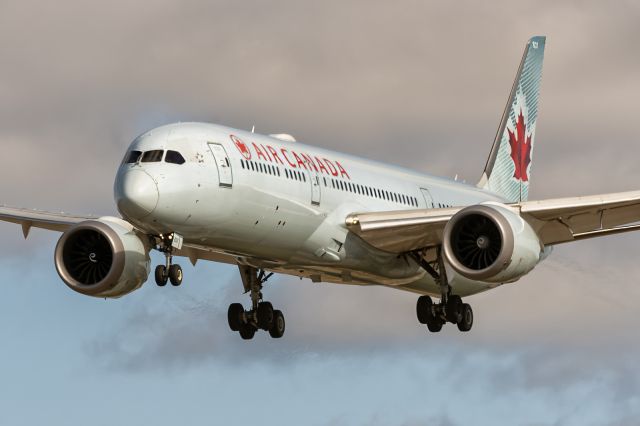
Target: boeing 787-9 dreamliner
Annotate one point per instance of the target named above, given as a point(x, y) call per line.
point(269, 204)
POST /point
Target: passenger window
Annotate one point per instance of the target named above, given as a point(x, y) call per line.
point(132, 157)
point(152, 156)
point(174, 157)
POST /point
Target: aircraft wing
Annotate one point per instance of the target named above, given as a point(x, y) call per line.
point(555, 220)
point(62, 221)
point(40, 219)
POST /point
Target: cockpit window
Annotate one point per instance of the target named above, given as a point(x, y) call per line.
point(174, 157)
point(152, 156)
point(132, 157)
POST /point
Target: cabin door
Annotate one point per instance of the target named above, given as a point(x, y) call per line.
point(221, 159)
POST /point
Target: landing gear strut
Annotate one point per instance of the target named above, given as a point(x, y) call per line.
point(450, 309)
point(261, 315)
point(168, 271)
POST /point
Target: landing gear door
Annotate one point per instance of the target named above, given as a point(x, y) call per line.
point(427, 197)
point(223, 164)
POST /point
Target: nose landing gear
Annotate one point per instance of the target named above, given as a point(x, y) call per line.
point(169, 271)
point(261, 315)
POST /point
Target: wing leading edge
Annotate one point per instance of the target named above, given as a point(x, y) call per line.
point(556, 221)
point(39, 219)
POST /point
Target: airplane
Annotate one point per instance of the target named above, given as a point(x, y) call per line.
point(270, 204)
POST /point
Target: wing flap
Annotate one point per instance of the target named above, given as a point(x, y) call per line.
point(401, 231)
point(569, 219)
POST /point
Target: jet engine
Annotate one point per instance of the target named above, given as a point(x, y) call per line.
point(491, 243)
point(102, 258)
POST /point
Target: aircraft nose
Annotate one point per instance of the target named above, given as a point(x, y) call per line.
point(136, 194)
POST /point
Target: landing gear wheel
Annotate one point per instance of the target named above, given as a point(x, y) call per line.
point(247, 331)
point(161, 275)
point(454, 309)
point(265, 315)
point(434, 325)
point(466, 321)
point(235, 316)
point(277, 328)
point(175, 275)
point(423, 309)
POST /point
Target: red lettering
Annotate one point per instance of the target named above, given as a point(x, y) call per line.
point(331, 167)
point(267, 152)
point(259, 151)
point(343, 172)
point(274, 154)
point(284, 154)
point(300, 162)
point(321, 166)
point(310, 162)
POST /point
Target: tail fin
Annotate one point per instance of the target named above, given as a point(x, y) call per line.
point(508, 169)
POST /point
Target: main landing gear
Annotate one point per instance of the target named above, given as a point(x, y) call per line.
point(450, 309)
point(168, 271)
point(261, 315)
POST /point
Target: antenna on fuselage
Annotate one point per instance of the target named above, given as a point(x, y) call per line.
point(253, 128)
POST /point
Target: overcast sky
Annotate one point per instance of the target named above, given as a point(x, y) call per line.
point(418, 83)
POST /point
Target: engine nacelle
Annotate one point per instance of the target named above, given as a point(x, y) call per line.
point(102, 258)
point(491, 243)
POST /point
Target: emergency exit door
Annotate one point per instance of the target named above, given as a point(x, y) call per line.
point(427, 197)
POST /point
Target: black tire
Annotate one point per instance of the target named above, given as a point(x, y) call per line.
point(175, 275)
point(423, 309)
point(235, 316)
point(247, 331)
point(277, 329)
point(161, 275)
point(435, 325)
point(454, 308)
point(265, 315)
point(466, 320)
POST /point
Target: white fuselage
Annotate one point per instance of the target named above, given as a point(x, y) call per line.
point(280, 205)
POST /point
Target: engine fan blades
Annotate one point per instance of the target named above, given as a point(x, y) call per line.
point(88, 257)
point(477, 242)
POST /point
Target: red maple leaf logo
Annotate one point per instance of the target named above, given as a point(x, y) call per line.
point(520, 149)
point(242, 147)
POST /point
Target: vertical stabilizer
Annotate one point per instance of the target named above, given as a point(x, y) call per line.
point(508, 169)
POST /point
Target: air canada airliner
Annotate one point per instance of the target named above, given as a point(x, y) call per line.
point(270, 204)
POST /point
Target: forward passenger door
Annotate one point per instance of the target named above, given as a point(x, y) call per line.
point(223, 164)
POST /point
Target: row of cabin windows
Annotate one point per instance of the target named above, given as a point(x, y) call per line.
point(372, 192)
point(259, 167)
point(335, 183)
point(272, 170)
point(295, 175)
point(154, 156)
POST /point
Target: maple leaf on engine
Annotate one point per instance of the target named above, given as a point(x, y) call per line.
point(520, 149)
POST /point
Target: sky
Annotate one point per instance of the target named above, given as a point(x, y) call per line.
point(421, 84)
